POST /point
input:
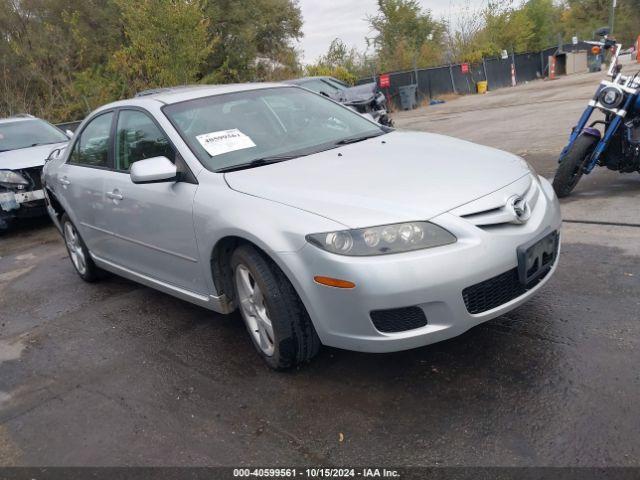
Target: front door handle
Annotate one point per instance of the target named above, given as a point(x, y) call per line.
point(64, 182)
point(115, 195)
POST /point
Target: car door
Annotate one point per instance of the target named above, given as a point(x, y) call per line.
point(79, 181)
point(151, 225)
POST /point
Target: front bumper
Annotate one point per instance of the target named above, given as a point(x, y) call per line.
point(25, 204)
point(431, 279)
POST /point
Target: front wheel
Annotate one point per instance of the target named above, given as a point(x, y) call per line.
point(570, 169)
point(278, 323)
point(5, 225)
point(78, 252)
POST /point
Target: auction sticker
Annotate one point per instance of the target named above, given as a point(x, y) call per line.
point(224, 141)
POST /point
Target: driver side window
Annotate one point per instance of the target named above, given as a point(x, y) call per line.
point(92, 148)
point(139, 138)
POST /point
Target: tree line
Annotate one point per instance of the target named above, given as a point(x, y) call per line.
point(60, 59)
point(405, 36)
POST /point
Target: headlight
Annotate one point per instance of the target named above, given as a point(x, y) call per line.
point(382, 240)
point(11, 179)
point(611, 97)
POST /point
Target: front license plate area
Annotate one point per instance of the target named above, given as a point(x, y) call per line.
point(8, 201)
point(537, 257)
point(25, 197)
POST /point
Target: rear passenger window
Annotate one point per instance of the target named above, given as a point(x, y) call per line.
point(92, 148)
point(138, 138)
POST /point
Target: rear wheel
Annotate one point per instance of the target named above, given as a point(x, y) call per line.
point(570, 169)
point(78, 252)
point(278, 323)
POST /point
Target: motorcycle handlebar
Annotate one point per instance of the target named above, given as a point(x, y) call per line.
point(613, 67)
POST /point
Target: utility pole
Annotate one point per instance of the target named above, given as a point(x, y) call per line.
point(612, 15)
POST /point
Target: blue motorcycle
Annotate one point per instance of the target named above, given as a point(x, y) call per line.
point(618, 148)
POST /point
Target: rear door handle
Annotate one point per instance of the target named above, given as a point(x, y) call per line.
point(115, 195)
point(65, 182)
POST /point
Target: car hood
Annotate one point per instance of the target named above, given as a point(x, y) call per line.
point(27, 157)
point(358, 94)
point(398, 177)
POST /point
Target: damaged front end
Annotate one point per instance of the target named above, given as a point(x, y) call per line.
point(21, 195)
point(367, 99)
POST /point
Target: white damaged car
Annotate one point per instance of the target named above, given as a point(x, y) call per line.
point(25, 144)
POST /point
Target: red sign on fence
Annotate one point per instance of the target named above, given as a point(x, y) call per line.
point(384, 80)
point(465, 68)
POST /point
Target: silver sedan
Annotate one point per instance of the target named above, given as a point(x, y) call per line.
point(317, 224)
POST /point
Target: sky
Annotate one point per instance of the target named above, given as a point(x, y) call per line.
point(325, 20)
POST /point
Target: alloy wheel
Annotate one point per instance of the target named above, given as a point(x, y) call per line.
point(74, 246)
point(254, 310)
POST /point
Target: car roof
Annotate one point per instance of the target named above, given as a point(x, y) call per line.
point(182, 93)
point(307, 79)
point(18, 118)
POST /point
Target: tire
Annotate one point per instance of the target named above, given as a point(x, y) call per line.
point(77, 250)
point(292, 340)
point(570, 169)
point(5, 225)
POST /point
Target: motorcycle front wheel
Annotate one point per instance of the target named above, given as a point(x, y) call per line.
point(570, 169)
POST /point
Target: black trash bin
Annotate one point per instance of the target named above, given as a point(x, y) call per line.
point(408, 97)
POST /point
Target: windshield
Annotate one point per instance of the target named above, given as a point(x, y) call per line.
point(28, 133)
point(235, 129)
point(336, 83)
point(321, 86)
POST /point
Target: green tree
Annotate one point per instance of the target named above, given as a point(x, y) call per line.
point(167, 43)
point(499, 26)
point(59, 59)
point(544, 18)
point(340, 61)
point(252, 33)
point(405, 35)
point(506, 29)
point(583, 17)
point(42, 46)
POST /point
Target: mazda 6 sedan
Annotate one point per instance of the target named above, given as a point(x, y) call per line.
point(320, 226)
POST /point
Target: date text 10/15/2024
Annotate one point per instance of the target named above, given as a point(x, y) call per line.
point(316, 473)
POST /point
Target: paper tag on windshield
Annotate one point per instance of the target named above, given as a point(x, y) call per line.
point(224, 141)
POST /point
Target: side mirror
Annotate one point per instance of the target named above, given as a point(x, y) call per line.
point(152, 170)
point(69, 133)
point(602, 32)
point(53, 154)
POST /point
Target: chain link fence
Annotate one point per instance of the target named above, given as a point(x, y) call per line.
point(497, 72)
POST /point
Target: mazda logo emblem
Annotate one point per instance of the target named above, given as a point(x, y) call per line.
point(520, 208)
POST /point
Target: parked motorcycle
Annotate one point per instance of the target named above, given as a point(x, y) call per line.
point(615, 146)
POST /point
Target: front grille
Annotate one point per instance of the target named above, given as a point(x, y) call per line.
point(496, 291)
point(398, 319)
point(33, 174)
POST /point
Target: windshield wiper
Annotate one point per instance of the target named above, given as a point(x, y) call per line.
point(347, 141)
point(259, 162)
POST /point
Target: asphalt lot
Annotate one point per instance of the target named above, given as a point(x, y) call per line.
point(118, 374)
